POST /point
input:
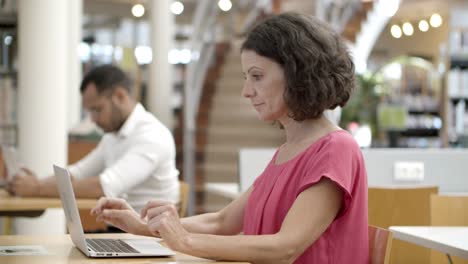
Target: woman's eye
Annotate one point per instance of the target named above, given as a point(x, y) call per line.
point(256, 77)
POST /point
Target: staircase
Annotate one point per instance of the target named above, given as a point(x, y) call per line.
point(233, 124)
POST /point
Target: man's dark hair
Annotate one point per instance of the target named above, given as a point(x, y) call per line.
point(318, 69)
point(106, 78)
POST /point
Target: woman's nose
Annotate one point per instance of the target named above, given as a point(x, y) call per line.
point(247, 90)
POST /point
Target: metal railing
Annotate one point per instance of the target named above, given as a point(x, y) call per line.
point(258, 6)
point(337, 12)
point(202, 44)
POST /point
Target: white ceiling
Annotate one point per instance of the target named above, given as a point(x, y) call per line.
point(409, 9)
point(417, 9)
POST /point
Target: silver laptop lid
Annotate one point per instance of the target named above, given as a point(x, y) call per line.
point(67, 196)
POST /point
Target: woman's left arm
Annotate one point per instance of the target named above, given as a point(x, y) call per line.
point(310, 215)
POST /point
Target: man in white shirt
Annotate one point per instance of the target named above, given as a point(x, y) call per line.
point(134, 160)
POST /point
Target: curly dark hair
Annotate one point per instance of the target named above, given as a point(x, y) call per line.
point(318, 69)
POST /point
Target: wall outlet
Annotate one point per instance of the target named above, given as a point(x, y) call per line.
point(408, 171)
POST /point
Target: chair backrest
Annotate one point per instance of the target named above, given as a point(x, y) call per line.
point(184, 196)
point(380, 244)
point(448, 210)
point(404, 206)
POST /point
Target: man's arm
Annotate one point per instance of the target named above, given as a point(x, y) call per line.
point(85, 179)
point(89, 187)
point(28, 185)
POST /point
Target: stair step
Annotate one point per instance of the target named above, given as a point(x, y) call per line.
point(305, 7)
point(231, 89)
point(245, 113)
point(216, 172)
point(242, 113)
point(222, 157)
point(232, 78)
point(232, 66)
point(243, 135)
point(244, 131)
point(248, 144)
point(235, 122)
point(233, 104)
point(228, 101)
point(226, 148)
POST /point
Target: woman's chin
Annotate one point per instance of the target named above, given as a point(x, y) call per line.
point(265, 118)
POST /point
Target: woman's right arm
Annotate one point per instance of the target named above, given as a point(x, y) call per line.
point(227, 221)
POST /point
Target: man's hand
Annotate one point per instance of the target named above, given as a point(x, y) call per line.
point(24, 184)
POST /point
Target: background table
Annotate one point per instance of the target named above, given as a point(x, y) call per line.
point(11, 206)
point(451, 240)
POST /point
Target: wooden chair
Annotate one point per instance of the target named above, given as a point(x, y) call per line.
point(380, 243)
point(448, 210)
point(403, 206)
point(184, 196)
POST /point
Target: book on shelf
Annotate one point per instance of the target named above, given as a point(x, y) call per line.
point(459, 117)
point(457, 83)
point(8, 106)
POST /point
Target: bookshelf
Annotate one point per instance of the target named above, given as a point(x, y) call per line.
point(8, 90)
point(457, 80)
point(410, 112)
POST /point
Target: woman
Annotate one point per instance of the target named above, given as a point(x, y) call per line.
point(310, 203)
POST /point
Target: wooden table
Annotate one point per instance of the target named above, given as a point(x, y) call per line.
point(19, 206)
point(452, 240)
point(11, 206)
point(61, 250)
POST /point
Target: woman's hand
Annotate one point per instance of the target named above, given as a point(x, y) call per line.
point(120, 214)
point(163, 220)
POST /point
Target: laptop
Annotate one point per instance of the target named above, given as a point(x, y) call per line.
point(101, 247)
point(11, 162)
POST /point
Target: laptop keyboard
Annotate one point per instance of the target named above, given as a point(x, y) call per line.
point(110, 245)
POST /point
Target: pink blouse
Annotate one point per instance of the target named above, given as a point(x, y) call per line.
point(337, 157)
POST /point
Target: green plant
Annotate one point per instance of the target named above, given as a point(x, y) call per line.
point(362, 106)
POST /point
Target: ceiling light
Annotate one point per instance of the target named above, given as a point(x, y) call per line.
point(177, 8)
point(84, 51)
point(225, 5)
point(408, 29)
point(173, 56)
point(143, 54)
point(435, 20)
point(390, 7)
point(138, 10)
point(423, 25)
point(395, 31)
